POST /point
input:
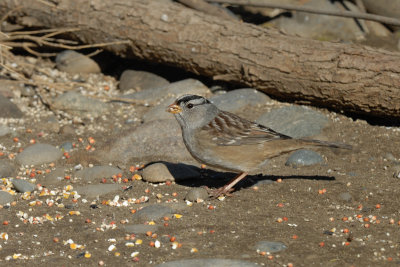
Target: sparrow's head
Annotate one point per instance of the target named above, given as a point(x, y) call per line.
point(192, 111)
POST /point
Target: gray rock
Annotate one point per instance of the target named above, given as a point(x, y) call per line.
point(160, 172)
point(5, 197)
point(327, 28)
point(23, 186)
point(50, 124)
point(295, 121)
point(173, 90)
point(141, 80)
point(97, 172)
point(140, 228)
point(159, 112)
point(304, 157)
point(345, 196)
point(268, 246)
point(196, 194)
point(74, 62)
point(4, 130)
point(54, 177)
point(207, 262)
point(264, 182)
point(236, 100)
point(97, 190)
point(8, 109)
point(67, 130)
point(387, 8)
point(80, 105)
point(7, 169)
point(67, 147)
point(152, 213)
point(159, 140)
point(38, 154)
point(9, 87)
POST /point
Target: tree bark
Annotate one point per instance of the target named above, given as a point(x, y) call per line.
point(344, 77)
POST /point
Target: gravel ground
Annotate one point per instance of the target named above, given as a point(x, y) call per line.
point(343, 211)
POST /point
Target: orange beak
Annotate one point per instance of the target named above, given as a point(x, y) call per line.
point(174, 109)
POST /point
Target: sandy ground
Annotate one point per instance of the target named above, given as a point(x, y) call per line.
point(340, 213)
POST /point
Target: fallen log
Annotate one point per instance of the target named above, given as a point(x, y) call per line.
point(339, 76)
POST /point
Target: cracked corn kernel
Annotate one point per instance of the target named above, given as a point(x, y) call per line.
point(4, 236)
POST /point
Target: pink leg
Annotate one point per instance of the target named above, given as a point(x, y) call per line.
point(228, 187)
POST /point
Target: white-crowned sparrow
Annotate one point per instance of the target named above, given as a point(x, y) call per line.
point(224, 140)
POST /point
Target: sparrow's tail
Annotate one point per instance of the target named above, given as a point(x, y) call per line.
point(326, 144)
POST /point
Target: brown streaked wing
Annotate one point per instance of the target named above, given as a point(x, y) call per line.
point(228, 129)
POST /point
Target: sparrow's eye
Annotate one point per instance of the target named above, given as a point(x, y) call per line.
point(190, 105)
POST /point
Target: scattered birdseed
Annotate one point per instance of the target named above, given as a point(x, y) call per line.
point(112, 248)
